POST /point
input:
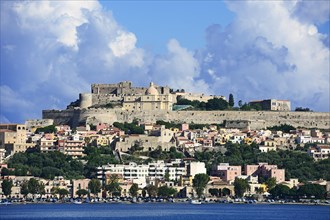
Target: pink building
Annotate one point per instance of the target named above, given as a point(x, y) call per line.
point(72, 147)
point(79, 184)
point(102, 126)
point(226, 172)
point(265, 170)
point(184, 127)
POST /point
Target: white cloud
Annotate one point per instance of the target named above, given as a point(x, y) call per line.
point(266, 52)
point(178, 69)
point(64, 17)
point(54, 50)
point(315, 12)
point(123, 44)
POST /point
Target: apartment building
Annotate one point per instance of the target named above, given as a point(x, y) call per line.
point(154, 170)
point(266, 170)
point(226, 172)
point(320, 152)
point(13, 138)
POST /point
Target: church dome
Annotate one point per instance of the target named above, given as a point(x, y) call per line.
point(152, 90)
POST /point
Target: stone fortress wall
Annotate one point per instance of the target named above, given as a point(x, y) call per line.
point(102, 94)
point(256, 119)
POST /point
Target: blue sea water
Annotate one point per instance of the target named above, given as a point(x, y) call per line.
point(162, 211)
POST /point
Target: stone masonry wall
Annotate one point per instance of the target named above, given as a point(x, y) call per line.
point(75, 117)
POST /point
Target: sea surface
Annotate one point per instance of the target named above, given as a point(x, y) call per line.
point(162, 211)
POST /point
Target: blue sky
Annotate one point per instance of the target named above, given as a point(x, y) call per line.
point(53, 50)
point(155, 22)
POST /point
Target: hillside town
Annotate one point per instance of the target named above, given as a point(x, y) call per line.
point(145, 158)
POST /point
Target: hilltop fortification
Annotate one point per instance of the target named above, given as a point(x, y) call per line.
point(156, 103)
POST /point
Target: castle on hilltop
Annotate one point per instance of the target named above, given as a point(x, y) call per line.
point(121, 102)
point(126, 96)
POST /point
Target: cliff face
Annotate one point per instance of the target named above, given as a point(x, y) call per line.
point(259, 119)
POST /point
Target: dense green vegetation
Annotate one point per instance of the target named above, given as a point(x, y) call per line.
point(46, 165)
point(307, 191)
point(284, 128)
point(168, 125)
point(240, 186)
point(129, 128)
point(165, 155)
point(301, 109)
point(165, 191)
point(47, 129)
point(94, 186)
point(133, 191)
point(157, 154)
point(6, 186)
point(199, 183)
point(192, 126)
point(210, 105)
point(32, 186)
point(95, 157)
point(73, 104)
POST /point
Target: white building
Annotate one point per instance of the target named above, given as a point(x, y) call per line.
point(152, 171)
point(319, 152)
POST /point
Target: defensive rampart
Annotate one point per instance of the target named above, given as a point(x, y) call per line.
point(259, 119)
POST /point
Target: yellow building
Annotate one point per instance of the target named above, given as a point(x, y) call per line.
point(151, 100)
point(13, 138)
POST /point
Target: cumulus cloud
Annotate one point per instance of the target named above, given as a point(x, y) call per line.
point(178, 69)
point(314, 12)
point(267, 52)
point(52, 51)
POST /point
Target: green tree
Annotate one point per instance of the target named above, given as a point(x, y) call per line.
point(271, 183)
point(231, 102)
point(134, 190)
point(94, 186)
point(144, 193)
point(6, 187)
point(47, 129)
point(214, 192)
point(165, 191)
point(33, 186)
point(225, 192)
point(283, 127)
point(152, 190)
point(24, 189)
point(174, 154)
point(240, 187)
point(240, 103)
point(54, 190)
point(312, 191)
point(167, 175)
point(63, 192)
point(280, 191)
point(216, 104)
point(5, 171)
point(41, 188)
point(82, 192)
point(113, 187)
point(199, 183)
